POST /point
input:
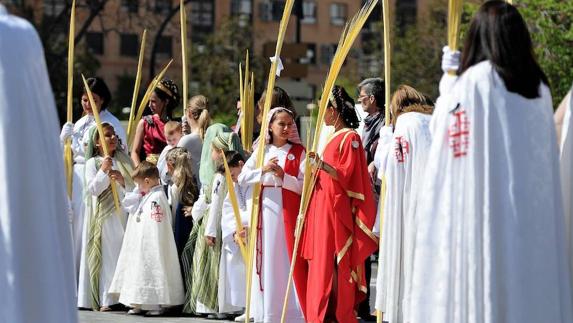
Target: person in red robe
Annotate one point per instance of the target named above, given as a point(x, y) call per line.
point(337, 236)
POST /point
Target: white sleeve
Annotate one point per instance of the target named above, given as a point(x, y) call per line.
point(292, 183)
point(97, 181)
point(200, 207)
point(250, 174)
point(382, 150)
point(131, 201)
point(162, 165)
point(216, 208)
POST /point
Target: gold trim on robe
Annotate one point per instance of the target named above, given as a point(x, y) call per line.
point(366, 230)
point(344, 250)
point(358, 196)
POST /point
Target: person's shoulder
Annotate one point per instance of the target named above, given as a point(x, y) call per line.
point(480, 72)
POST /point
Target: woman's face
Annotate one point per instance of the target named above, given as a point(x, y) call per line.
point(235, 171)
point(110, 140)
point(156, 104)
point(330, 116)
point(281, 127)
point(86, 103)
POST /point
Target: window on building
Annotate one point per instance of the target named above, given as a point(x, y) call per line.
point(309, 11)
point(406, 11)
point(165, 46)
point(202, 19)
point(271, 10)
point(54, 7)
point(338, 12)
point(130, 5)
point(94, 41)
point(162, 6)
point(128, 45)
point(327, 53)
point(241, 7)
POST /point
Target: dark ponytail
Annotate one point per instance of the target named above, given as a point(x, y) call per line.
point(344, 104)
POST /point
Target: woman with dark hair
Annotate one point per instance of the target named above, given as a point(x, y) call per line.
point(490, 243)
point(337, 235)
point(78, 133)
point(149, 138)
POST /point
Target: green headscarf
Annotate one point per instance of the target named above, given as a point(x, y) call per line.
point(227, 141)
point(208, 168)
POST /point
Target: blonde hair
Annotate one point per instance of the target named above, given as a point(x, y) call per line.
point(183, 175)
point(145, 169)
point(172, 127)
point(408, 99)
point(198, 109)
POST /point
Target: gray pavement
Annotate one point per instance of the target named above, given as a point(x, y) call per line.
point(122, 317)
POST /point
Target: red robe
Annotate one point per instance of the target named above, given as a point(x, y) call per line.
point(337, 235)
point(291, 205)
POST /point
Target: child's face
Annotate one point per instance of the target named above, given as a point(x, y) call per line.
point(146, 184)
point(173, 138)
point(110, 139)
point(235, 171)
point(216, 154)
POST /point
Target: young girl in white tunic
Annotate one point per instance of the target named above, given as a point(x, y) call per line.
point(78, 134)
point(273, 255)
point(148, 277)
point(105, 224)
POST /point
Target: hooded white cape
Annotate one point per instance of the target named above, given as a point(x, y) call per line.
point(490, 243)
point(36, 266)
point(404, 174)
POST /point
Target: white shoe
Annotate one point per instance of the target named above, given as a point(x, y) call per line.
point(155, 312)
point(134, 311)
point(241, 318)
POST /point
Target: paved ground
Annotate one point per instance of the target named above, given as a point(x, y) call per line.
point(121, 317)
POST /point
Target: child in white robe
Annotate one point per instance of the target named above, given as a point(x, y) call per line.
point(404, 171)
point(104, 223)
point(272, 266)
point(147, 277)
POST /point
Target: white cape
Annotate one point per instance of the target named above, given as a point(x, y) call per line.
point(404, 174)
point(490, 244)
point(36, 264)
point(567, 175)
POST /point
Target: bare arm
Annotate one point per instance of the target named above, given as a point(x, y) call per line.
point(137, 143)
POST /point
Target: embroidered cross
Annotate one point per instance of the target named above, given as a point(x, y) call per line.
point(401, 149)
point(459, 133)
point(156, 212)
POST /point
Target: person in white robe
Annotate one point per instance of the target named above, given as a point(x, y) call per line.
point(104, 223)
point(404, 171)
point(36, 261)
point(565, 130)
point(78, 133)
point(148, 276)
point(272, 269)
point(490, 241)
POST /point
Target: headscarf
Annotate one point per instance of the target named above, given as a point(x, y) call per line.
point(208, 168)
point(228, 141)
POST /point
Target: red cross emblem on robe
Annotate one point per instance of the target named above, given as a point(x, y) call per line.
point(156, 212)
point(459, 133)
point(401, 149)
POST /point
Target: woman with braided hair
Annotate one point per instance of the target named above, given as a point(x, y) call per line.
point(337, 236)
point(149, 138)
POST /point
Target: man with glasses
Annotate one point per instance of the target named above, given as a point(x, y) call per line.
point(371, 98)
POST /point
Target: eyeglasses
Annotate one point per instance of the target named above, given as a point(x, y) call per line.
point(362, 97)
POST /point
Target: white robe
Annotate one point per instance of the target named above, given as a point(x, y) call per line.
point(111, 237)
point(490, 243)
point(80, 138)
point(148, 272)
point(566, 159)
point(232, 272)
point(267, 306)
point(404, 172)
point(36, 265)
